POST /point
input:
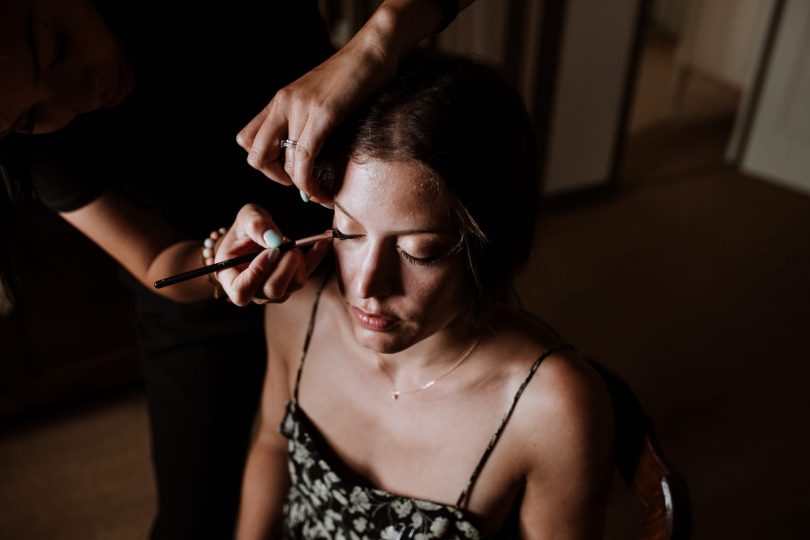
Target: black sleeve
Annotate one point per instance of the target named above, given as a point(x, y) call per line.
point(62, 188)
point(66, 168)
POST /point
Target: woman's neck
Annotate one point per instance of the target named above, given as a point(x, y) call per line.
point(425, 363)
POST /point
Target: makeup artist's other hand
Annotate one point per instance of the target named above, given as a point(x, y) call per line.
point(272, 276)
point(308, 109)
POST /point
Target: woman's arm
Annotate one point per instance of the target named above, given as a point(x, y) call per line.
point(147, 246)
point(570, 459)
point(309, 108)
point(150, 248)
point(266, 480)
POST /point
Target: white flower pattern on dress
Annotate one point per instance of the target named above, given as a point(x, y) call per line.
point(321, 505)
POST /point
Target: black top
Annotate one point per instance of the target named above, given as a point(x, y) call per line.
point(202, 71)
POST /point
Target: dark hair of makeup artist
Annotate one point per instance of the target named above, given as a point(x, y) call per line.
point(470, 131)
point(15, 189)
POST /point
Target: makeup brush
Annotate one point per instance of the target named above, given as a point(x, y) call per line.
point(221, 265)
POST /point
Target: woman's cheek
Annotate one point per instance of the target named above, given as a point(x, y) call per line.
point(347, 262)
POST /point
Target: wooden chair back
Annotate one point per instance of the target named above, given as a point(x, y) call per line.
point(664, 495)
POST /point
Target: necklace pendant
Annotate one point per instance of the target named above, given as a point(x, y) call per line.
point(395, 394)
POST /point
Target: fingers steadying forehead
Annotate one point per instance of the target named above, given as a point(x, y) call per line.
point(313, 134)
point(247, 135)
point(265, 148)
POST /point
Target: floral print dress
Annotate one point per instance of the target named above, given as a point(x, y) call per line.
point(323, 505)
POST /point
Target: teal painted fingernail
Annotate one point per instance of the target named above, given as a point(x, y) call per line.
point(304, 196)
point(272, 238)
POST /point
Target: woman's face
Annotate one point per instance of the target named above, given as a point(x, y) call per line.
point(401, 278)
point(58, 59)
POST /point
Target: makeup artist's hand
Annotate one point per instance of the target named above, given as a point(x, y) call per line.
point(271, 276)
point(307, 110)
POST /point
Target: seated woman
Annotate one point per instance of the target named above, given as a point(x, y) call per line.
point(413, 401)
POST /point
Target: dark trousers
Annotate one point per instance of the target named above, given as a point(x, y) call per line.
point(202, 399)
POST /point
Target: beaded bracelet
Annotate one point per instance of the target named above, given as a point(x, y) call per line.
point(209, 251)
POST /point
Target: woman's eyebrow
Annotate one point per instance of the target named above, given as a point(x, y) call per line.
point(421, 230)
point(338, 205)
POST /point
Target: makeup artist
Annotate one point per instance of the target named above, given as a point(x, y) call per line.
point(405, 397)
point(168, 85)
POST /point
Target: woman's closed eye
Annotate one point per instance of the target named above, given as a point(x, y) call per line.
point(420, 260)
point(337, 234)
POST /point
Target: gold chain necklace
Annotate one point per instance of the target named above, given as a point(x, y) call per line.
point(395, 393)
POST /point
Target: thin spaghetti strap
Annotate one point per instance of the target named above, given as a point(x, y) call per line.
point(497, 435)
point(310, 329)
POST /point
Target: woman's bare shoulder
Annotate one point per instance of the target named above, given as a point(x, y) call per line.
point(565, 406)
point(566, 386)
point(559, 439)
point(286, 323)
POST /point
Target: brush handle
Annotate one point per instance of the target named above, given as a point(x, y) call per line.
point(236, 261)
point(216, 267)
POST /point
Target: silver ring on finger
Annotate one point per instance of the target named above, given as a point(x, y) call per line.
point(288, 143)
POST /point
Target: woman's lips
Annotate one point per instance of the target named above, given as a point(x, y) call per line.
point(373, 321)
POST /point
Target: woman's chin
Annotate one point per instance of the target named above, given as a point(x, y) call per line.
point(387, 342)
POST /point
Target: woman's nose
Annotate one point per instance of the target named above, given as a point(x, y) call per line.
point(378, 273)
